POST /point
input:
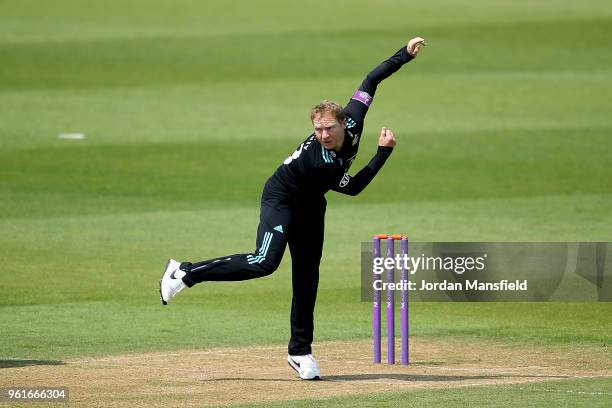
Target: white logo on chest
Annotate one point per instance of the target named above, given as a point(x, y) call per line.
point(295, 154)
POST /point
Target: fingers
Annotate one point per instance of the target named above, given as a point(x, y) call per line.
point(386, 133)
point(414, 45)
point(390, 138)
point(416, 41)
point(387, 138)
point(383, 132)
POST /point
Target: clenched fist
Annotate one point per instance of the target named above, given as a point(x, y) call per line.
point(414, 46)
point(387, 138)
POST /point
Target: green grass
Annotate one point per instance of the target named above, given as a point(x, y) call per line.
point(187, 107)
point(102, 326)
point(129, 169)
point(567, 393)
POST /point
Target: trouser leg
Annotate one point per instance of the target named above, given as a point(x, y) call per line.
point(306, 246)
point(270, 247)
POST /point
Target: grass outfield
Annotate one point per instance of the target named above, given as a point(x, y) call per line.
point(575, 393)
point(504, 134)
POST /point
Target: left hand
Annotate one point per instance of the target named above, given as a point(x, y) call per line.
point(414, 46)
point(387, 139)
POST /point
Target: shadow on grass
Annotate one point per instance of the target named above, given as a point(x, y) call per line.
point(394, 377)
point(425, 377)
point(27, 363)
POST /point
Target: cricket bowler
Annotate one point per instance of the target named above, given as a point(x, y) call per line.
point(293, 209)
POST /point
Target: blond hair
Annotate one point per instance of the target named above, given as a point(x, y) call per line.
point(327, 107)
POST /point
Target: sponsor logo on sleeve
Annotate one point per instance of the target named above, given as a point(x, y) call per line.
point(363, 97)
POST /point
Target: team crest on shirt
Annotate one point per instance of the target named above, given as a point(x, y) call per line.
point(345, 180)
point(333, 153)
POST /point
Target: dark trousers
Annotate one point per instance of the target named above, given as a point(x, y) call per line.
point(281, 222)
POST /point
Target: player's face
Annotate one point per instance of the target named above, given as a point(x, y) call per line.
point(329, 132)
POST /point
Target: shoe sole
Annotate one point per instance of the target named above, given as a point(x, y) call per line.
point(160, 284)
point(316, 377)
point(160, 295)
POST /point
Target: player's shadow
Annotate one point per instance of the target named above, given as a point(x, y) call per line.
point(27, 363)
point(425, 377)
point(393, 377)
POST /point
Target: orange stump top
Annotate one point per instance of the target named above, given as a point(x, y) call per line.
point(394, 236)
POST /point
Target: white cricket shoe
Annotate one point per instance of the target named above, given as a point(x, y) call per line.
point(306, 366)
point(171, 282)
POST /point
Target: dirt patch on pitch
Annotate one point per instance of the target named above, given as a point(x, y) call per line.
point(226, 376)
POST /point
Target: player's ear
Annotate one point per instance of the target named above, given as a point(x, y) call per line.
point(343, 123)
